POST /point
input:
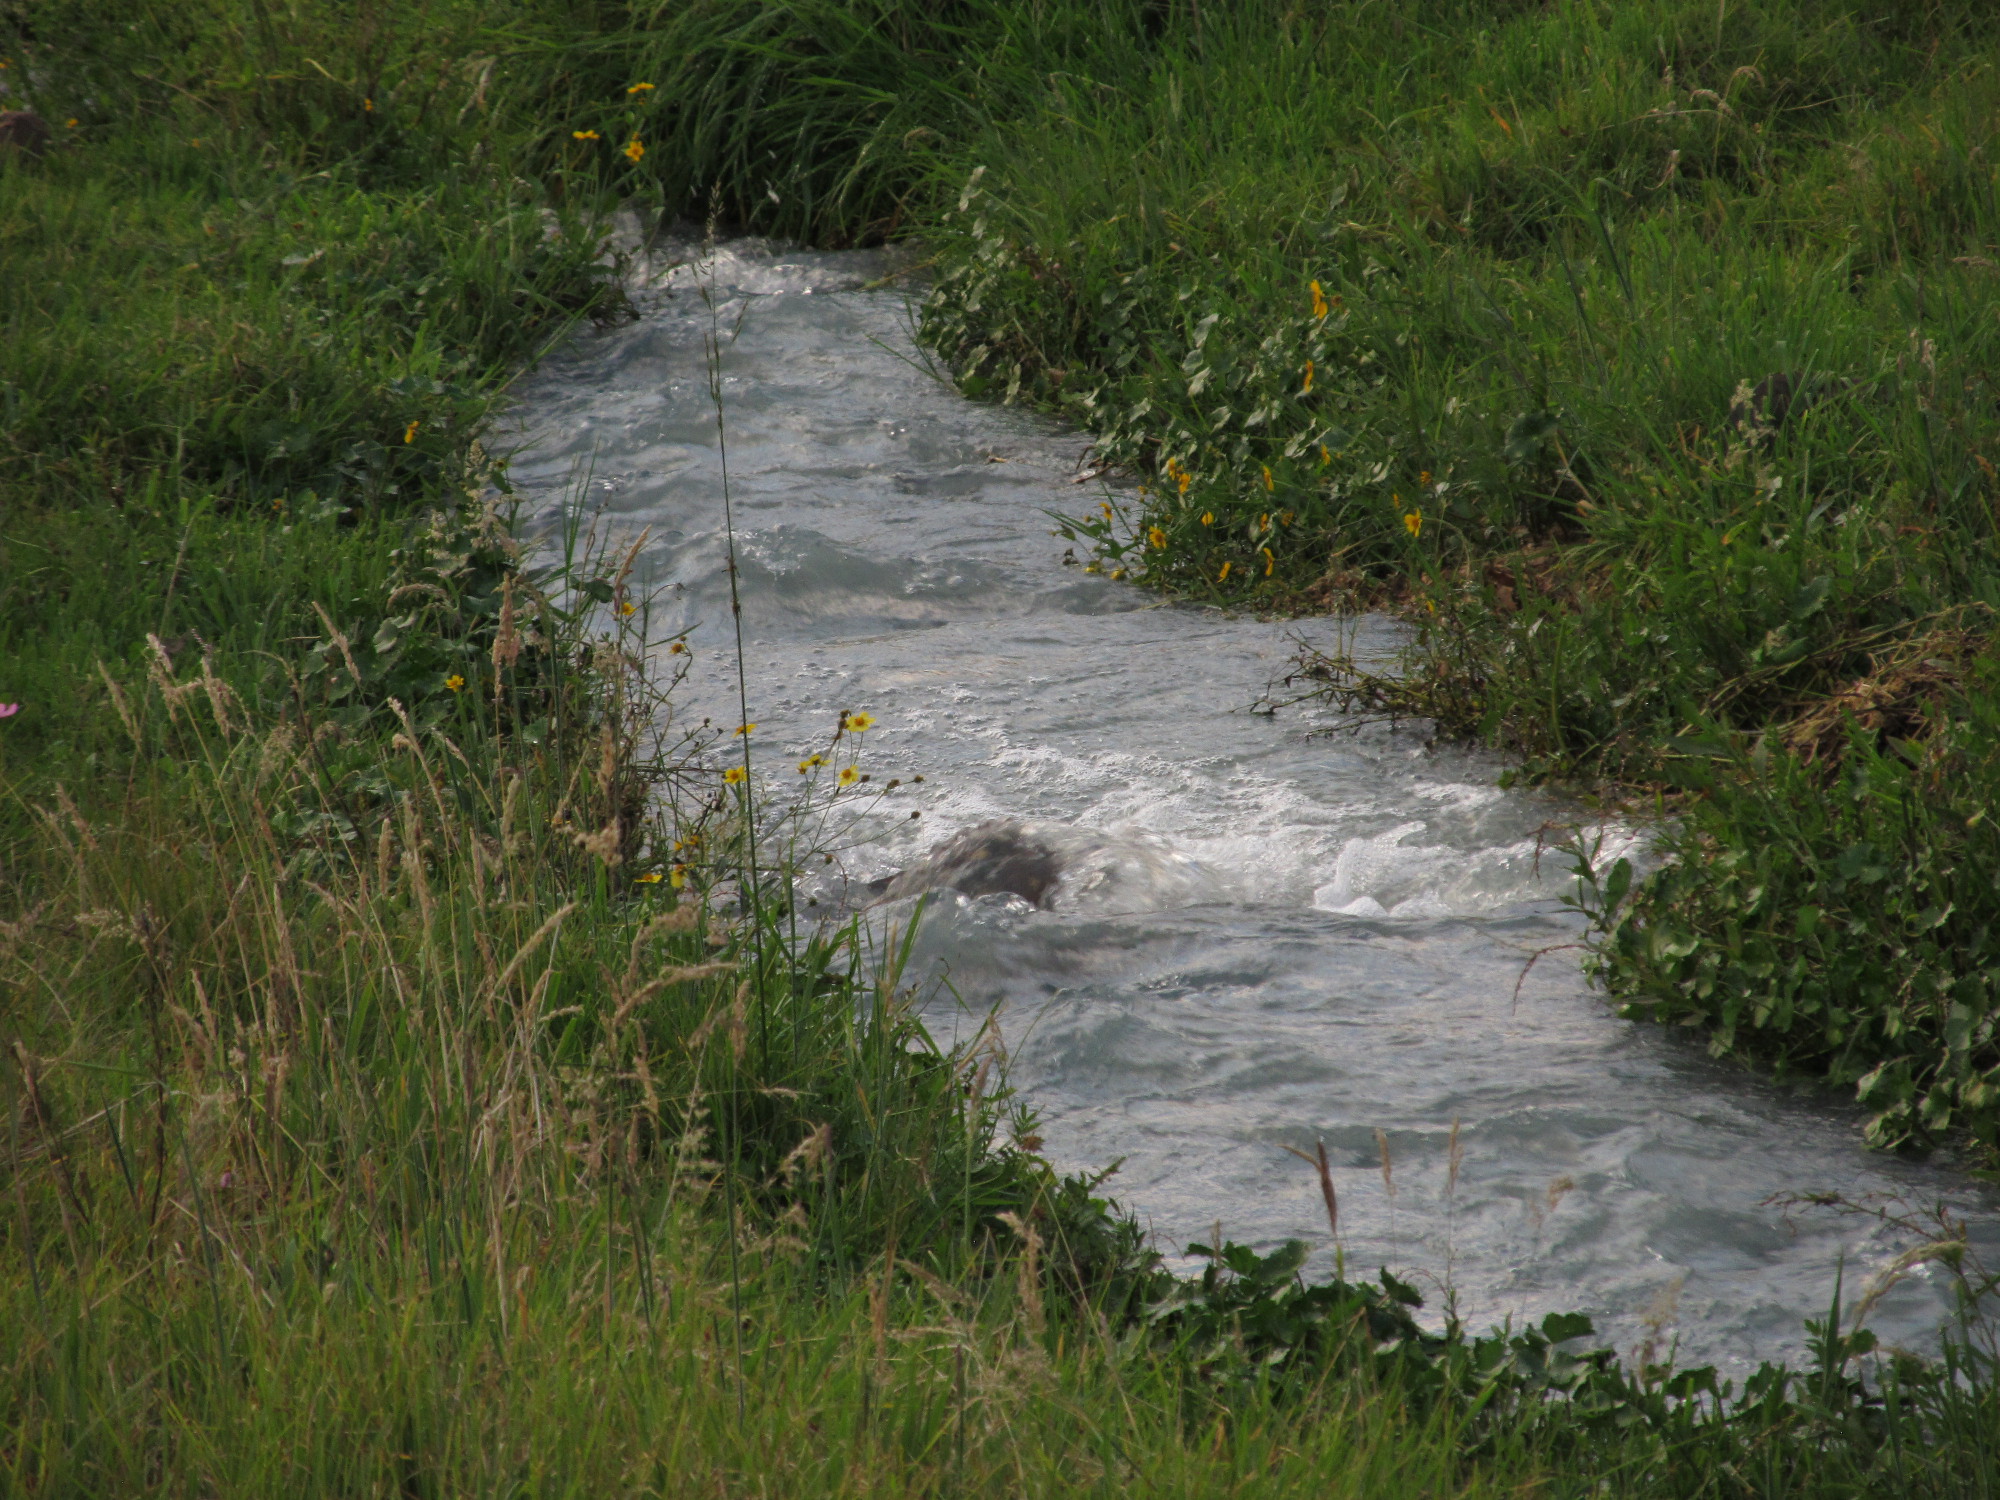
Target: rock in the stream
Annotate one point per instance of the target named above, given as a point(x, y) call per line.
point(999, 857)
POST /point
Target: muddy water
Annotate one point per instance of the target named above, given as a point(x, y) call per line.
point(1270, 932)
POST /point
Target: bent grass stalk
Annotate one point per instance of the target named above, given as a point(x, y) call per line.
point(746, 802)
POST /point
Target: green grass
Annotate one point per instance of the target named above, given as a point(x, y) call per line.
point(376, 1122)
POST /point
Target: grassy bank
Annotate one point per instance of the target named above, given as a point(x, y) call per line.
point(414, 1083)
point(1641, 353)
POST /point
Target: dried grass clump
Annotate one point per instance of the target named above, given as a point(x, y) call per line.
point(1904, 697)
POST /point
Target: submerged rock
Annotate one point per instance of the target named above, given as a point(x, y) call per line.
point(1000, 857)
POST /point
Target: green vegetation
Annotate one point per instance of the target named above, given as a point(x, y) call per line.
point(1642, 353)
point(413, 1084)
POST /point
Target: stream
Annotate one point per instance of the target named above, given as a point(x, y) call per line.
point(1272, 930)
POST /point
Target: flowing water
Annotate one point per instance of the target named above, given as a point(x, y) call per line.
point(1271, 930)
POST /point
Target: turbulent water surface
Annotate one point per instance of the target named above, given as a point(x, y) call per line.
point(1270, 931)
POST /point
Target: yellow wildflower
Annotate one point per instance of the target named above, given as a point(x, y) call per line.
point(628, 608)
point(858, 723)
point(678, 648)
point(410, 432)
point(809, 762)
point(1325, 457)
point(1424, 477)
point(369, 105)
point(746, 729)
point(735, 776)
point(455, 682)
point(1270, 562)
point(1319, 301)
point(585, 135)
point(1223, 576)
point(1414, 524)
point(651, 877)
point(1157, 537)
point(1208, 518)
point(679, 878)
point(850, 775)
point(640, 88)
point(1309, 379)
point(634, 149)
point(1268, 484)
point(1116, 574)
